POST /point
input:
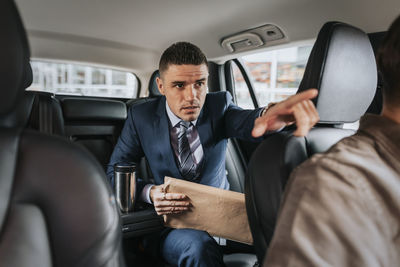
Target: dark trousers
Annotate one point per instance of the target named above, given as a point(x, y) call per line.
point(185, 247)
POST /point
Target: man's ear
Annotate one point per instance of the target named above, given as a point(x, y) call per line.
point(160, 85)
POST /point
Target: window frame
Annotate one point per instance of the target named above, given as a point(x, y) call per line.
point(230, 81)
point(240, 62)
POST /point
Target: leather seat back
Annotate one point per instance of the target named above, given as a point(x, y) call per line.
point(56, 208)
point(235, 168)
point(45, 114)
point(94, 123)
point(153, 91)
point(342, 67)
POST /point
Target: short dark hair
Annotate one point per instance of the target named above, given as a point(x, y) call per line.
point(181, 53)
point(389, 63)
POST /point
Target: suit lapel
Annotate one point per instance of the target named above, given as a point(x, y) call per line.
point(204, 128)
point(161, 132)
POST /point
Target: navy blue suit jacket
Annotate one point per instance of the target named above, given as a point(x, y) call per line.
point(146, 133)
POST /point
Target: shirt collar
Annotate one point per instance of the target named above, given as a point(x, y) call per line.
point(173, 118)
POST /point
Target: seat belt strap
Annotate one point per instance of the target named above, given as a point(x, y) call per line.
point(45, 116)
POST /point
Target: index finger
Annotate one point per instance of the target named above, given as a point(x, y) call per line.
point(297, 98)
point(172, 196)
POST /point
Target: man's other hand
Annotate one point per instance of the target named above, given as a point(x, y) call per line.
point(297, 109)
point(168, 203)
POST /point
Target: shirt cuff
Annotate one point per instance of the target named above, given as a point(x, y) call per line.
point(145, 195)
point(264, 110)
point(277, 131)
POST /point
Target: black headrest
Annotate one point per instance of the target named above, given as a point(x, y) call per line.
point(88, 109)
point(153, 87)
point(213, 78)
point(15, 71)
point(342, 67)
point(20, 114)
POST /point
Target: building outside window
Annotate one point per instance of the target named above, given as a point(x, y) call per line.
point(275, 74)
point(83, 80)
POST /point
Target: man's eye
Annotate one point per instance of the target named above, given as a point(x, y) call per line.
point(200, 83)
point(179, 85)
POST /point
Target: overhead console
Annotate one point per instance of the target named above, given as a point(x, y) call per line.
point(265, 35)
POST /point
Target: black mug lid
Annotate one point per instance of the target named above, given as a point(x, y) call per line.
point(124, 167)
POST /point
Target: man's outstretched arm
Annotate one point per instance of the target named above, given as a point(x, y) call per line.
point(298, 109)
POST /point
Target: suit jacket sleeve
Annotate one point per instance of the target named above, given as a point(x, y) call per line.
point(239, 122)
point(127, 149)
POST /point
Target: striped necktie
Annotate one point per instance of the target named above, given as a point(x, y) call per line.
point(187, 165)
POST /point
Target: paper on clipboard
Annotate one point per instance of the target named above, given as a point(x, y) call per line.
point(219, 212)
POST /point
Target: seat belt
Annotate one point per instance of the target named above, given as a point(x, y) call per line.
point(45, 115)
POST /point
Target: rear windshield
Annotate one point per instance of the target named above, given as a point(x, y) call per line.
point(82, 80)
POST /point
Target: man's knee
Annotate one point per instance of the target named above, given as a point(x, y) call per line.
point(201, 244)
point(187, 247)
point(201, 251)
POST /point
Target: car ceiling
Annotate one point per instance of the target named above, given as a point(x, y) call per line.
point(133, 34)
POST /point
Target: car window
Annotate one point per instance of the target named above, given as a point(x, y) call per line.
point(275, 74)
point(83, 80)
point(243, 98)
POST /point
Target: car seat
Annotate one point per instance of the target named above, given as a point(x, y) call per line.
point(342, 67)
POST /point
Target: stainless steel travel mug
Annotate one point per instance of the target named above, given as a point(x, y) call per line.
point(125, 186)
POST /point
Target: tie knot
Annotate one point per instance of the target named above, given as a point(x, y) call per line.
point(185, 124)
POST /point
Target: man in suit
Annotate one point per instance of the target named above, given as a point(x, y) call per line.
point(184, 133)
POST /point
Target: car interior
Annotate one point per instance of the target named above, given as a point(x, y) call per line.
point(58, 207)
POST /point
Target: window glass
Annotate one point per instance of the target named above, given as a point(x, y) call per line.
point(98, 76)
point(119, 78)
point(276, 74)
point(242, 93)
point(84, 80)
point(79, 74)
